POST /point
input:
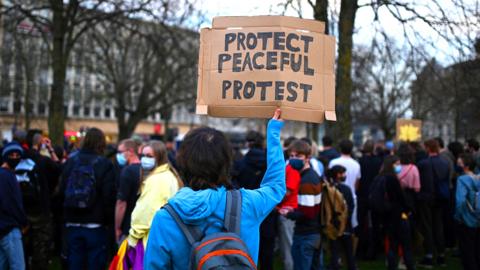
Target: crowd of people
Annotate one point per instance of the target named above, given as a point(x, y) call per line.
point(317, 210)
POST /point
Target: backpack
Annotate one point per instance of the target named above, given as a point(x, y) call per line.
point(220, 250)
point(333, 212)
point(28, 180)
point(80, 191)
point(474, 204)
point(442, 189)
point(377, 196)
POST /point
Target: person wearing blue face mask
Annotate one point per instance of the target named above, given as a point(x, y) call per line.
point(160, 185)
point(397, 222)
point(306, 237)
point(128, 184)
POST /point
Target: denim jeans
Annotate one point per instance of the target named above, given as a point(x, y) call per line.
point(86, 246)
point(306, 251)
point(11, 251)
point(285, 239)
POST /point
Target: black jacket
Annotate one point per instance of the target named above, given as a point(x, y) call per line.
point(248, 172)
point(102, 211)
point(11, 207)
point(397, 200)
point(370, 167)
point(48, 173)
point(348, 196)
point(431, 168)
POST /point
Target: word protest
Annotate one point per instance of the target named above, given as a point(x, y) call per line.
point(249, 66)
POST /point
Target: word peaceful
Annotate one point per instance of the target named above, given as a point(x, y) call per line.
point(271, 51)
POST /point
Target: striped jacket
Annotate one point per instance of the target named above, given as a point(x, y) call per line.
point(307, 215)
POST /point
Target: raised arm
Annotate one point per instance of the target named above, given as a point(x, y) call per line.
point(272, 189)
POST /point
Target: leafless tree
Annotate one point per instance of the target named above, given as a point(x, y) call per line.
point(151, 67)
point(449, 95)
point(61, 24)
point(23, 51)
point(382, 74)
point(453, 21)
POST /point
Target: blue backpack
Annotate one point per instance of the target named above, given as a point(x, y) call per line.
point(80, 191)
point(474, 204)
point(220, 250)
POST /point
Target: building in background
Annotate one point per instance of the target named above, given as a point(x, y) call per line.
point(446, 99)
point(26, 79)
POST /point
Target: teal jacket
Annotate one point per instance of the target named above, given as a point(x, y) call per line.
point(466, 188)
point(168, 247)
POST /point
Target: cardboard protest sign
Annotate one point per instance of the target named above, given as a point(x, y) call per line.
point(248, 66)
point(409, 130)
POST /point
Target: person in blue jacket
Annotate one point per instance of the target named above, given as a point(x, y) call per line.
point(468, 221)
point(204, 160)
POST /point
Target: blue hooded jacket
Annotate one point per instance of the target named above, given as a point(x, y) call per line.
point(466, 188)
point(168, 247)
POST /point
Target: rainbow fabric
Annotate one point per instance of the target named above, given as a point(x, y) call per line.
point(128, 258)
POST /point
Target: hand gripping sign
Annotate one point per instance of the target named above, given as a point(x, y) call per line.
point(249, 66)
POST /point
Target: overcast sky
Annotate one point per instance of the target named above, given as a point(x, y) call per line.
point(364, 25)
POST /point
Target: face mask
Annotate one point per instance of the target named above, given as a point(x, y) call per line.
point(121, 160)
point(398, 169)
point(12, 162)
point(296, 163)
point(148, 163)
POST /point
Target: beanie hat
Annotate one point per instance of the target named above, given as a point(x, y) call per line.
point(11, 147)
point(389, 145)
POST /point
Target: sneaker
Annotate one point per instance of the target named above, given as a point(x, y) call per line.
point(426, 263)
point(441, 261)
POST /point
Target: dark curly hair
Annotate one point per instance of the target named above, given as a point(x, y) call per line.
point(204, 159)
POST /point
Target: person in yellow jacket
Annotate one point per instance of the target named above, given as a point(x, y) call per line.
point(160, 185)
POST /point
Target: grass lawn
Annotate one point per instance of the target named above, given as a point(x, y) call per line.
point(453, 263)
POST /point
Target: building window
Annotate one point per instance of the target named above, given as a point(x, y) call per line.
point(86, 111)
point(108, 113)
point(76, 110)
point(41, 109)
point(17, 106)
point(96, 112)
point(4, 105)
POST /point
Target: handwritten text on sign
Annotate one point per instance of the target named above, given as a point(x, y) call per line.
point(289, 50)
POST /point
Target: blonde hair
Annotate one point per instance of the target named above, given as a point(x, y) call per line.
point(161, 158)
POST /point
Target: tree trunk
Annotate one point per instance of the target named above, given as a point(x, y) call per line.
point(59, 54)
point(28, 108)
point(124, 131)
point(56, 114)
point(320, 13)
point(343, 127)
point(126, 128)
point(167, 127)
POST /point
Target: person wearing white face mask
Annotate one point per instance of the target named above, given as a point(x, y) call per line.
point(128, 185)
point(160, 185)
